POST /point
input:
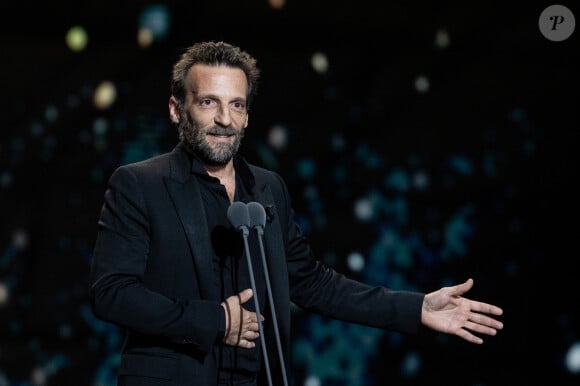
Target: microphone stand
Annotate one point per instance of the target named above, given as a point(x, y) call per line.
point(245, 232)
point(258, 215)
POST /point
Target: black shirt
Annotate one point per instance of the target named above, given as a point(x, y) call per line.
point(229, 257)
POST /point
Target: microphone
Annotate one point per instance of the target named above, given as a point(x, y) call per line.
point(239, 217)
point(257, 215)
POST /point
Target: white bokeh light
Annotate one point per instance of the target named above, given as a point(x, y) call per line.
point(4, 294)
point(363, 209)
point(319, 62)
point(356, 261)
point(312, 380)
point(573, 358)
point(278, 137)
point(422, 84)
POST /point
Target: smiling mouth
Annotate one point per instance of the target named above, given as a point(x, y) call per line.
point(220, 137)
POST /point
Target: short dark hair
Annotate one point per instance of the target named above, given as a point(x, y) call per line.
point(214, 54)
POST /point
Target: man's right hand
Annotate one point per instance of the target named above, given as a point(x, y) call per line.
point(241, 325)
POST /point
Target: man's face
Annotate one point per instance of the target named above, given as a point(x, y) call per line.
point(215, 114)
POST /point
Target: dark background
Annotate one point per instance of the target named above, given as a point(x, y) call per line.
point(473, 178)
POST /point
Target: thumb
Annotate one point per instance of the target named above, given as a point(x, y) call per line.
point(246, 295)
point(462, 288)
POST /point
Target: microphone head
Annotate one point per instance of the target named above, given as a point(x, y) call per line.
point(257, 214)
point(238, 215)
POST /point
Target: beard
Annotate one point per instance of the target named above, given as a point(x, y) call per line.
point(216, 154)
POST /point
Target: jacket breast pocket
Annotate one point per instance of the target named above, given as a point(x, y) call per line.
point(148, 365)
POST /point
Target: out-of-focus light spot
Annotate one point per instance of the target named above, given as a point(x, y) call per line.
point(6, 179)
point(36, 129)
point(306, 168)
point(529, 147)
point(420, 180)
point(398, 179)
point(422, 84)
point(76, 39)
point(338, 142)
point(442, 39)
point(573, 358)
point(278, 137)
point(4, 294)
point(355, 261)
point(15, 327)
point(363, 209)
point(65, 331)
point(312, 380)
point(20, 239)
point(277, 4)
point(518, 114)
point(51, 113)
point(154, 23)
point(267, 156)
point(100, 127)
point(319, 62)
point(144, 37)
point(311, 192)
point(105, 95)
point(461, 164)
point(411, 364)
point(3, 379)
point(38, 377)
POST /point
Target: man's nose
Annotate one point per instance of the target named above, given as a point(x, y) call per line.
point(223, 117)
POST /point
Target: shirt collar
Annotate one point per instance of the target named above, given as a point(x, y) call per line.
point(240, 165)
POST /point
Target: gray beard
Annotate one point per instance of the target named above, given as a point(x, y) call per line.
point(215, 155)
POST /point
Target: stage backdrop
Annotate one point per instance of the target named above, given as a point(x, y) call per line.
point(423, 144)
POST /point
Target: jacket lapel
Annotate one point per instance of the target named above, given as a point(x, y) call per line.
point(184, 192)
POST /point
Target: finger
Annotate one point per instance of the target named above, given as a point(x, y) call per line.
point(463, 333)
point(253, 317)
point(462, 288)
point(252, 335)
point(481, 329)
point(486, 321)
point(486, 308)
point(246, 344)
point(245, 295)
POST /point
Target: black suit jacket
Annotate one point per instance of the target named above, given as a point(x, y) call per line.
point(151, 274)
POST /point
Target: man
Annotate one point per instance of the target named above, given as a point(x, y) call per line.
point(169, 267)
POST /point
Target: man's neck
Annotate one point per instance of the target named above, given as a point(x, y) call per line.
point(227, 176)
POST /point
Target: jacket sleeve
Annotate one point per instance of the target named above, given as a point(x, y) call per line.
point(116, 282)
point(320, 289)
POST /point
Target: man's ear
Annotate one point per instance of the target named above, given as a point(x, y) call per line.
point(247, 118)
point(174, 110)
